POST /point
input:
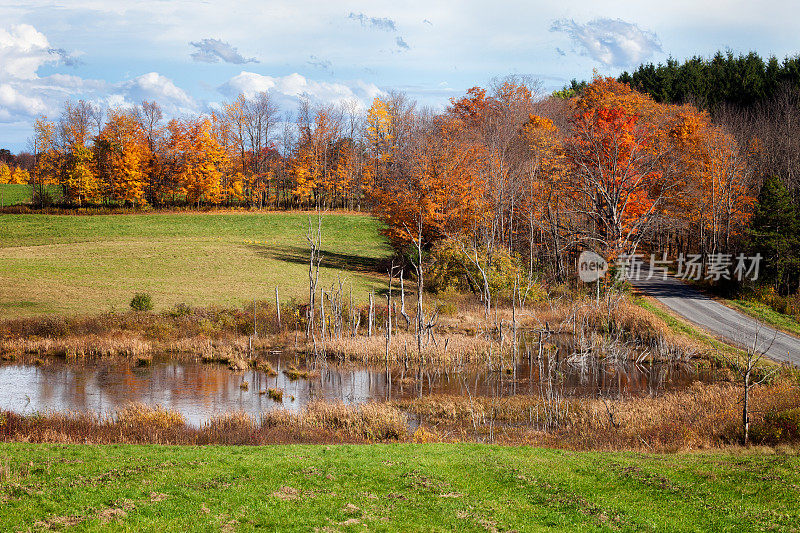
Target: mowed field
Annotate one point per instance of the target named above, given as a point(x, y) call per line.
point(14, 194)
point(72, 264)
point(393, 487)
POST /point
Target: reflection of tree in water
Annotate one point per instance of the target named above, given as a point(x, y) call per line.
point(200, 391)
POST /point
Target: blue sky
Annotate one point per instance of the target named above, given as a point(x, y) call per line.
point(190, 56)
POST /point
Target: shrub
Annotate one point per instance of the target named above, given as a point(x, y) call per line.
point(446, 308)
point(207, 327)
point(778, 427)
point(180, 310)
point(275, 394)
point(159, 331)
point(787, 305)
point(448, 268)
point(141, 302)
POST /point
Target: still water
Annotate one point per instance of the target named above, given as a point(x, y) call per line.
point(200, 391)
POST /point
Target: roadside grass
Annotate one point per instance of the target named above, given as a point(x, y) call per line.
point(395, 487)
point(766, 314)
point(90, 264)
point(684, 328)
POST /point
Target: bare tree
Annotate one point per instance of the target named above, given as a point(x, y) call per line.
point(419, 243)
point(78, 123)
point(149, 116)
point(259, 114)
point(314, 239)
point(744, 364)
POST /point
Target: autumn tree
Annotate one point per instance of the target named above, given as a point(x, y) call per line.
point(713, 201)
point(150, 120)
point(5, 174)
point(202, 163)
point(77, 124)
point(20, 176)
point(543, 203)
point(122, 155)
point(615, 178)
point(313, 164)
point(46, 157)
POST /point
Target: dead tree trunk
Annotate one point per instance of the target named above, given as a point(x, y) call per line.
point(314, 239)
point(403, 301)
point(278, 308)
point(371, 312)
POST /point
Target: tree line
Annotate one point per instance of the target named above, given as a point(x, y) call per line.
point(741, 81)
point(756, 99)
point(242, 154)
point(504, 172)
point(504, 175)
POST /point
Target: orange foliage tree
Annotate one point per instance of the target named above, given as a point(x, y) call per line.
point(615, 178)
point(121, 156)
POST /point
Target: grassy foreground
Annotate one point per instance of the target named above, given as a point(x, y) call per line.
point(70, 264)
point(406, 487)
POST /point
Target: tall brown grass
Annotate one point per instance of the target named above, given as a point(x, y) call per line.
point(140, 424)
point(701, 416)
point(225, 335)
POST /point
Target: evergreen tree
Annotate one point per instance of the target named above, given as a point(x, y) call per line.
point(775, 234)
point(741, 81)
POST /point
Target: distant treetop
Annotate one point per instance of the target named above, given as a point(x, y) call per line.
point(740, 80)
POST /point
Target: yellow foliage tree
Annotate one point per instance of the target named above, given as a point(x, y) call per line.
point(202, 170)
point(20, 176)
point(5, 174)
point(122, 155)
point(45, 171)
point(78, 179)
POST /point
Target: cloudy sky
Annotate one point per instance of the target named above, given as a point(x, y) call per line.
point(191, 55)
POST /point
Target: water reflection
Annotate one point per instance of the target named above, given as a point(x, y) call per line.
point(200, 391)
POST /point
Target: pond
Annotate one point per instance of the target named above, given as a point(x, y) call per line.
point(200, 391)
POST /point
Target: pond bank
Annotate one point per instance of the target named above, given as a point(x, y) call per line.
point(700, 416)
point(200, 391)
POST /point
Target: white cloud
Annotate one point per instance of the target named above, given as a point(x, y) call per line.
point(23, 50)
point(23, 93)
point(154, 86)
point(376, 23)
point(214, 50)
point(14, 103)
point(289, 88)
point(613, 42)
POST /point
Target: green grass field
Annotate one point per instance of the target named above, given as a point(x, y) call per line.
point(442, 487)
point(15, 194)
point(89, 264)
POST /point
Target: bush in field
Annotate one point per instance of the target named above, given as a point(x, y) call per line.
point(449, 268)
point(141, 302)
point(778, 427)
point(180, 310)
